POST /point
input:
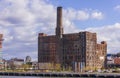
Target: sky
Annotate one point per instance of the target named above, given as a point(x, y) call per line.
point(22, 20)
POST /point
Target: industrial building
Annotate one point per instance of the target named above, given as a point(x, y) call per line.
point(76, 51)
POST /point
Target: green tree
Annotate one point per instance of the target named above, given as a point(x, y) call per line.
point(26, 67)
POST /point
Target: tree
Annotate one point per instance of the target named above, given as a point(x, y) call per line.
point(57, 67)
point(12, 66)
point(26, 67)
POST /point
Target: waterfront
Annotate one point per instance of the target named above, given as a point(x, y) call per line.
point(58, 75)
point(19, 77)
point(28, 77)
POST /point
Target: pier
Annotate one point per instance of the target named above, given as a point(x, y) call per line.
point(94, 75)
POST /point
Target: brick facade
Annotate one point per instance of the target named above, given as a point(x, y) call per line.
point(117, 60)
point(75, 50)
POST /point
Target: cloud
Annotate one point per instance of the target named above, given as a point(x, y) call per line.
point(73, 14)
point(22, 20)
point(109, 33)
point(83, 15)
point(97, 15)
point(117, 8)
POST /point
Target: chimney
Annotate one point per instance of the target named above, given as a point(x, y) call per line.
point(59, 16)
point(59, 28)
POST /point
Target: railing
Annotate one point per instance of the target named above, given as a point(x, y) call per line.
point(94, 75)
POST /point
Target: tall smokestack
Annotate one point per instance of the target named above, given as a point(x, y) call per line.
point(59, 16)
point(59, 28)
point(59, 35)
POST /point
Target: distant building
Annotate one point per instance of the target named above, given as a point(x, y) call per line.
point(1, 61)
point(117, 60)
point(3, 64)
point(118, 54)
point(15, 63)
point(28, 59)
point(110, 60)
point(75, 51)
point(113, 60)
point(34, 65)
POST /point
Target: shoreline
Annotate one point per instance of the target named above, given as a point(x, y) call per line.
point(61, 74)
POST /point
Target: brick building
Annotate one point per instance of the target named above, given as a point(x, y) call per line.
point(1, 60)
point(117, 61)
point(77, 51)
point(113, 61)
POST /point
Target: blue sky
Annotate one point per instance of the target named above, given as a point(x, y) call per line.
point(22, 20)
point(107, 7)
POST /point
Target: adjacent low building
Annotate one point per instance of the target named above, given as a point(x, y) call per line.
point(14, 63)
point(113, 61)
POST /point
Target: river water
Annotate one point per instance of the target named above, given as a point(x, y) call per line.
point(35, 77)
point(20, 77)
point(29, 77)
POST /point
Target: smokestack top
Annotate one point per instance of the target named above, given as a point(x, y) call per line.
point(59, 7)
point(59, 16)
